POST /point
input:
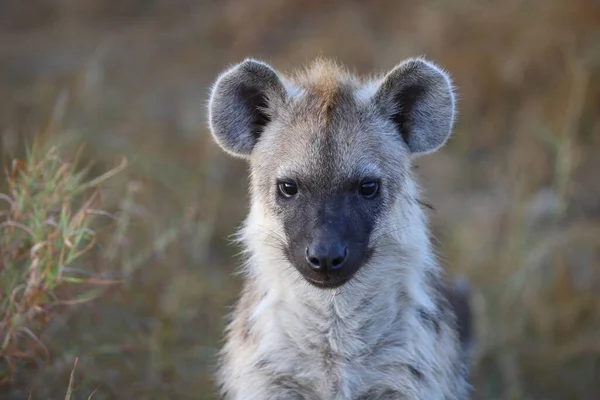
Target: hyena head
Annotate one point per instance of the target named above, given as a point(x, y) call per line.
point(330, 156)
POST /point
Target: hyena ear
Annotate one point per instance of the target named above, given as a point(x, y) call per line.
point(418, 97)
point(241, 105)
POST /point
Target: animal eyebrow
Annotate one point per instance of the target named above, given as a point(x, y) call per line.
point(286, 175)
point(370, 171)
point(286, 171)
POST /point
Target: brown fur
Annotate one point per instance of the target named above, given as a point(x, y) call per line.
point(328, 85)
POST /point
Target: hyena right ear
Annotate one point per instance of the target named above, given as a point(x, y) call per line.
point(241, 105)
point(418, 97)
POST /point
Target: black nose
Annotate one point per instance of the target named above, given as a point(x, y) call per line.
point(324, 257)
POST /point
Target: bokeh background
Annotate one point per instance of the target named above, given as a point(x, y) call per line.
point(516, 190)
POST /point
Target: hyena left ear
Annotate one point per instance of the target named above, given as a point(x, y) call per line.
point(242, 103)
point(418, 97)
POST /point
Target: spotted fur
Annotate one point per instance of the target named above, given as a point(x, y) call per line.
point(391, 331)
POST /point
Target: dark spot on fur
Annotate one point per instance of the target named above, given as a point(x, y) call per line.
point(317, 312)
point(415, 372)
point(430, 319)
point(365, 303)
point(246, 330)
point(458, 298)
point(402, 297)
point(426, 205)
point(440, 295)
point(385, 344)
point(381, 394)
point(263, 363)
point(289, 388)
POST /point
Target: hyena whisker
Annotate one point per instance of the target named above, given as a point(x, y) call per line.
point(273, 235)
point(390, 232)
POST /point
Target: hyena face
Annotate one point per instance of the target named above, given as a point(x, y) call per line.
point(329, 154)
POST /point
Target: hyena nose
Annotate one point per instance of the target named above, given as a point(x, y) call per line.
point(324, 257)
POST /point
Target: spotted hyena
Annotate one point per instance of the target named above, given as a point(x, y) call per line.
point(342, 298)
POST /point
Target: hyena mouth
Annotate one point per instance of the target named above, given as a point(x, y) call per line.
point(328, 283)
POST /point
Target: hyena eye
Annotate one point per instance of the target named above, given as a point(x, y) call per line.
point(369, 190)
point(287, 189)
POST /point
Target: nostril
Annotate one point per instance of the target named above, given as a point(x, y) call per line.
point(338, 261)
point(313, 261)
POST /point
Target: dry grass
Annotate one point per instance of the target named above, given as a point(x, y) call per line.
point(515, 192)
point(46, 235)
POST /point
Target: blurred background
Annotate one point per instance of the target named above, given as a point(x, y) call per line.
point(516, 192)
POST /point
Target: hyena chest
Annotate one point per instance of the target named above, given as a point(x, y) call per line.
point(335, 365)
point(333, 377)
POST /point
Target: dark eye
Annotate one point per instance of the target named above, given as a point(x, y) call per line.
point(287, 189)
point(368, 190)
